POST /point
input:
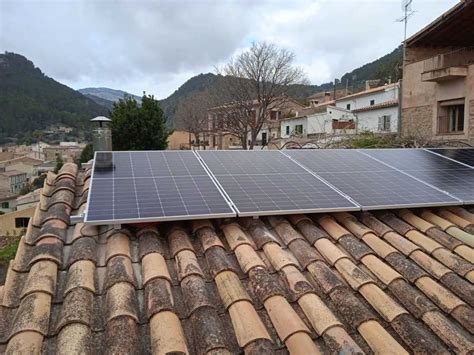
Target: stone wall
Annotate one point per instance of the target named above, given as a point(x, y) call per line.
point(470, 122)
point(417, 122)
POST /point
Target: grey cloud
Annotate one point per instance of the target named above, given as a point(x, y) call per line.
point(156, 45)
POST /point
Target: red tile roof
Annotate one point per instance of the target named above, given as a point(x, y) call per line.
point(385, 104)
point(369, 91)
point(396, 281)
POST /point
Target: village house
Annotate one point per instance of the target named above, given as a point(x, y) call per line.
point(7, 201)
point(67, 151)
point(326, 96)
point(376, 110)
point(13, 180)
point(28, 200)
point(438, 78)
point(24, 164)
point(270, 130)
point(16, 222)
point(319, 122)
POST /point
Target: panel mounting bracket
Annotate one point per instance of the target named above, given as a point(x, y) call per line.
point(77, 219)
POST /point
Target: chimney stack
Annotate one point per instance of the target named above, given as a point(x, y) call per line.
point(102, 135)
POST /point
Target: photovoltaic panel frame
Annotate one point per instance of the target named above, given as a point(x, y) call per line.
point(151, 186)
point(268, 182)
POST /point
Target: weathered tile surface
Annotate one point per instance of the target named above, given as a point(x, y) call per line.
point(392, 281)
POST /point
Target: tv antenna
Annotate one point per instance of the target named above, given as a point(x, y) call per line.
point(407, 13)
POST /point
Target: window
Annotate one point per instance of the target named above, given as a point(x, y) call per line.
point(299, 129)
point(384, 123)
point(451, 119)
point(287, 130)
point(21, 222)
point(5, 204)
point(372, 102)
point(348, 106)
point(273, 115)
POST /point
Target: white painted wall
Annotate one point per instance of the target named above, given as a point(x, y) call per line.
point(389, 94)
point(292, 123)
point(369, 120)
point(316, 123)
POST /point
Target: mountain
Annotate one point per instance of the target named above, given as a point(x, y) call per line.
point(30, 100)
point(107, 94)
point(103, 102)
point(383, 68)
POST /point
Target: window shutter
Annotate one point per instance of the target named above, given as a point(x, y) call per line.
point(387, 123)
point(381, 123)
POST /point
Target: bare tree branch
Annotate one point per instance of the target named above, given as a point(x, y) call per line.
point(256, 82)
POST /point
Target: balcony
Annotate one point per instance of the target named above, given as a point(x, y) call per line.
point(447, 66)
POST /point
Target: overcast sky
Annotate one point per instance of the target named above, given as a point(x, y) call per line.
point(156, 45)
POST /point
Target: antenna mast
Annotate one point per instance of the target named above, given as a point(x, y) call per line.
point(408, 12)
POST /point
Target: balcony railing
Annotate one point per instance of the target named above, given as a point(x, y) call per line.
point(460, 57)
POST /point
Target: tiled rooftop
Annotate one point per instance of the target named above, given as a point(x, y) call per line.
point(390, 282)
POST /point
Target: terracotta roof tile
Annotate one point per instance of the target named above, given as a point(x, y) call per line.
point(393, 281)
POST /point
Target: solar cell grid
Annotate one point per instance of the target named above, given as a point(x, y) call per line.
point(411, 159)
point(248, 162)
point(370, 183)
point(154, 186)
point(463, 155)
point(444, 174)
point(268, 182)
point(336, 160)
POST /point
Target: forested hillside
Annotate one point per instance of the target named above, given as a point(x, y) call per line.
point(29, 100)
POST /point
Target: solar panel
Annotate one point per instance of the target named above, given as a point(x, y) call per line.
point(444, 174)
point(462, 155)
point(135, 187)
point(268, 182)
point(370, 183)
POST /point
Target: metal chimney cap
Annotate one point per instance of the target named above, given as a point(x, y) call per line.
point(101, 119)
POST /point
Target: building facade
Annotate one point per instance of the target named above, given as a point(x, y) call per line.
point(24, 164)
point(438, 78)
point(16, 223)
point(332, 121)
point(67, 151)
point(8, 201)
point(270, 131)
point(13, 181)
point(376, 110)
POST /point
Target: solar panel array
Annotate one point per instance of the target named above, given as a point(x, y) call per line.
point(132, 187)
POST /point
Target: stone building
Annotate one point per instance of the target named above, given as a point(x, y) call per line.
point(438, 78)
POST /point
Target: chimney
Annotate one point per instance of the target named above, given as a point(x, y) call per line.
point(102, 136)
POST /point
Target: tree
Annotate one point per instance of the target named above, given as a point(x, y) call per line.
point(86, 154)
point(192, 115)
point(26, 189)
point(260, 82)
point(59, 164)
point(138, 127)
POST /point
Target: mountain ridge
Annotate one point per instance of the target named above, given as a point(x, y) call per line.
point(31, 101)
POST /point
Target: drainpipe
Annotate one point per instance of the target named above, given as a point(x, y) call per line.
point(400, 83)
